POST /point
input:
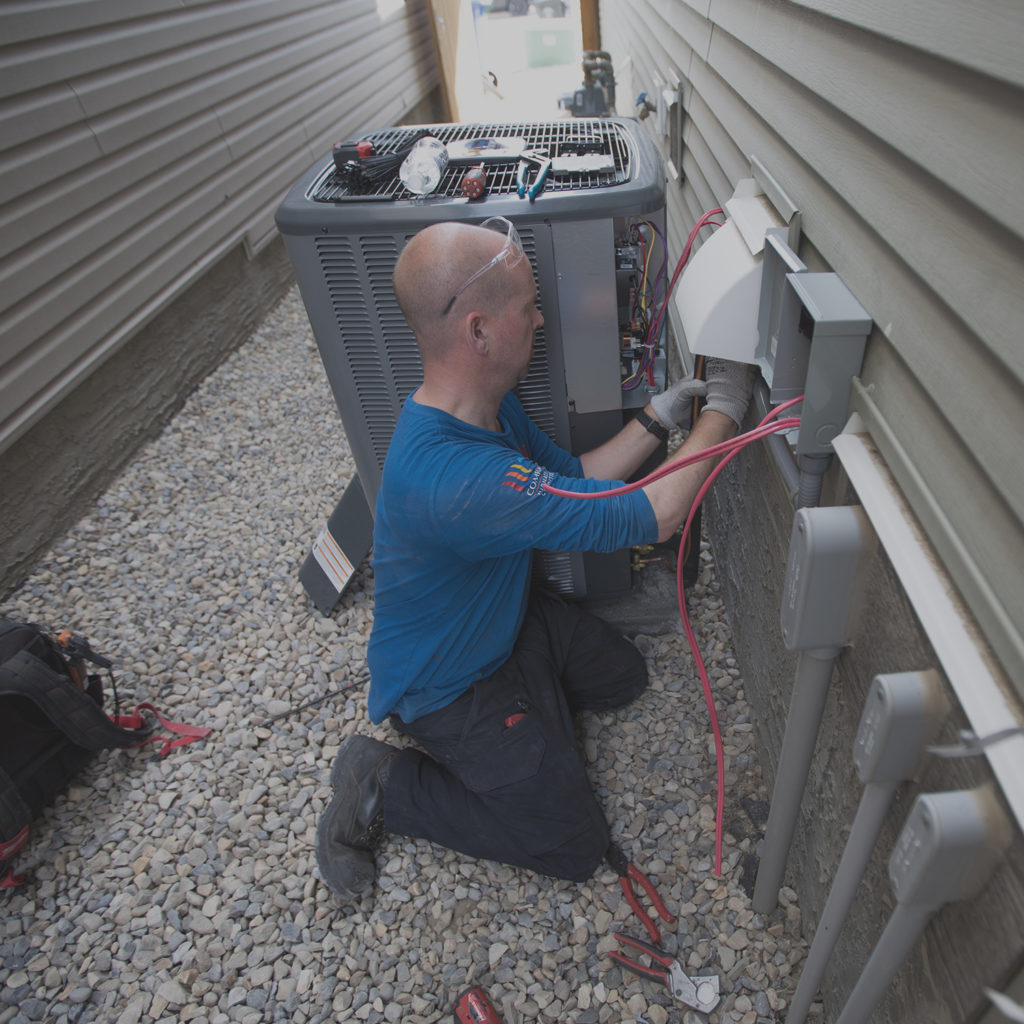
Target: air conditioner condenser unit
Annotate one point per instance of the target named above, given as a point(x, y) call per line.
point(344, 246)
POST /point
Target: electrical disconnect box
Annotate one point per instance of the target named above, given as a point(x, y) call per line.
point(815, 350)
point(948, 848)
point(747, 296)
point(824, 581)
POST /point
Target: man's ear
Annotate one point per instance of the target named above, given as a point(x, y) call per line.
point(478, 335)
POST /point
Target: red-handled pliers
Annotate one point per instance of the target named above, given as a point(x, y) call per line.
point(629, 873)
point(700, 992)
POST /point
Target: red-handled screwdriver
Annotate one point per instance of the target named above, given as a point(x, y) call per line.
point(474, 183)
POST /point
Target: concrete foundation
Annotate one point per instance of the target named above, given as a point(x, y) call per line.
point(69, 457)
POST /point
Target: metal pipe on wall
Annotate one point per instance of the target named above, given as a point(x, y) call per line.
point(806, 707)
point(827, 550)
point(778, 446)
point(903, 712)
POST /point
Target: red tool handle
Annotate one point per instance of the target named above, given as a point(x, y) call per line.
point(474, 1007)
point(656, 953)
point(638, 876)
point(652, 928)
point(654, 973)
point(628, 872)
point(659, 956)
point(633, 873)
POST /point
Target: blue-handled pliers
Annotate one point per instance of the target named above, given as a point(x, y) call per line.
point(542, 162)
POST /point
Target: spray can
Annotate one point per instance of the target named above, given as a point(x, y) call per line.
point(422, 169)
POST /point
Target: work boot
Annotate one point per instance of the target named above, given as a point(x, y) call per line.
point(353, 823)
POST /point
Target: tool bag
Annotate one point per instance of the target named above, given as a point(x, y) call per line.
point(52, 724)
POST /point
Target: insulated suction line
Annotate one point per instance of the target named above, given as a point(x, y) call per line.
point(729, 449)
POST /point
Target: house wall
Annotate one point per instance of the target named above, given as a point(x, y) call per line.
point(144, 147)
point(896, 130)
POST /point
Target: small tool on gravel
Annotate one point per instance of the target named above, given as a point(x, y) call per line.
point(700, 992)
point(629, 873)
point(475, 1007)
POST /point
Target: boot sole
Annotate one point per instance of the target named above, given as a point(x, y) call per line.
point(348, 872)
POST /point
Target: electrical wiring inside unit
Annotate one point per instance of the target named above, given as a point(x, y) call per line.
point(639, 345)
point(642, 338)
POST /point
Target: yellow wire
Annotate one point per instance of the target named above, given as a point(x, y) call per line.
point(643, 288)
point(647, 261)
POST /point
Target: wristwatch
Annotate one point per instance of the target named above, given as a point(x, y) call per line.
point(652, 426)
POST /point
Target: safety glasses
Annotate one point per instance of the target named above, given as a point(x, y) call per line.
point(511, 254)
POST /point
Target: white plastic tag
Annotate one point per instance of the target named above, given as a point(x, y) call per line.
point(332, 560)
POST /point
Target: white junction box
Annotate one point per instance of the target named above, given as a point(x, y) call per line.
point(718, 294)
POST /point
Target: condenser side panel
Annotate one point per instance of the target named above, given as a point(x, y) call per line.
point(585, 254)
point(369, 354)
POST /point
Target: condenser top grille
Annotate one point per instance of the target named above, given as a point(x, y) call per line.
point(571, 137)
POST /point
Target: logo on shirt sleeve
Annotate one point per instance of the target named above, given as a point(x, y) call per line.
point(521, 477)
point(517, 476)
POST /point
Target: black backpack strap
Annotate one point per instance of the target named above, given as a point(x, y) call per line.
point(15, 816)
point(72, 711)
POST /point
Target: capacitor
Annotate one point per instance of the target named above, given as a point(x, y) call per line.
point(474, 183)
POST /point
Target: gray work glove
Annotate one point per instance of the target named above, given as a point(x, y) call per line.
point(675, 404)
point(729, 388)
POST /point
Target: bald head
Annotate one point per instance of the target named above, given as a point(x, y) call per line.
point(433, 266)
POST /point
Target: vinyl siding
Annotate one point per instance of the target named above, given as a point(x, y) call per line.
point(897, 131)
point(141, 141)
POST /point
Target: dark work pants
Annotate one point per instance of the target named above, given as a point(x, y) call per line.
point(505, 779)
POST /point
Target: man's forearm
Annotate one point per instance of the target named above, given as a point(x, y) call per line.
point(620, 456)
point(672, 496)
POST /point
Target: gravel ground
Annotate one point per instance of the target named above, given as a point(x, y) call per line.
point(186, 889)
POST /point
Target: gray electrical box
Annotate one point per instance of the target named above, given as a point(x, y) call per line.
point(823, 585)
point(814, 346)
point(903, 712)
point(948, 848)
point(777, 261)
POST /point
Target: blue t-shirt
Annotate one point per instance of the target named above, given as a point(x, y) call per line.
point(459, 511)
